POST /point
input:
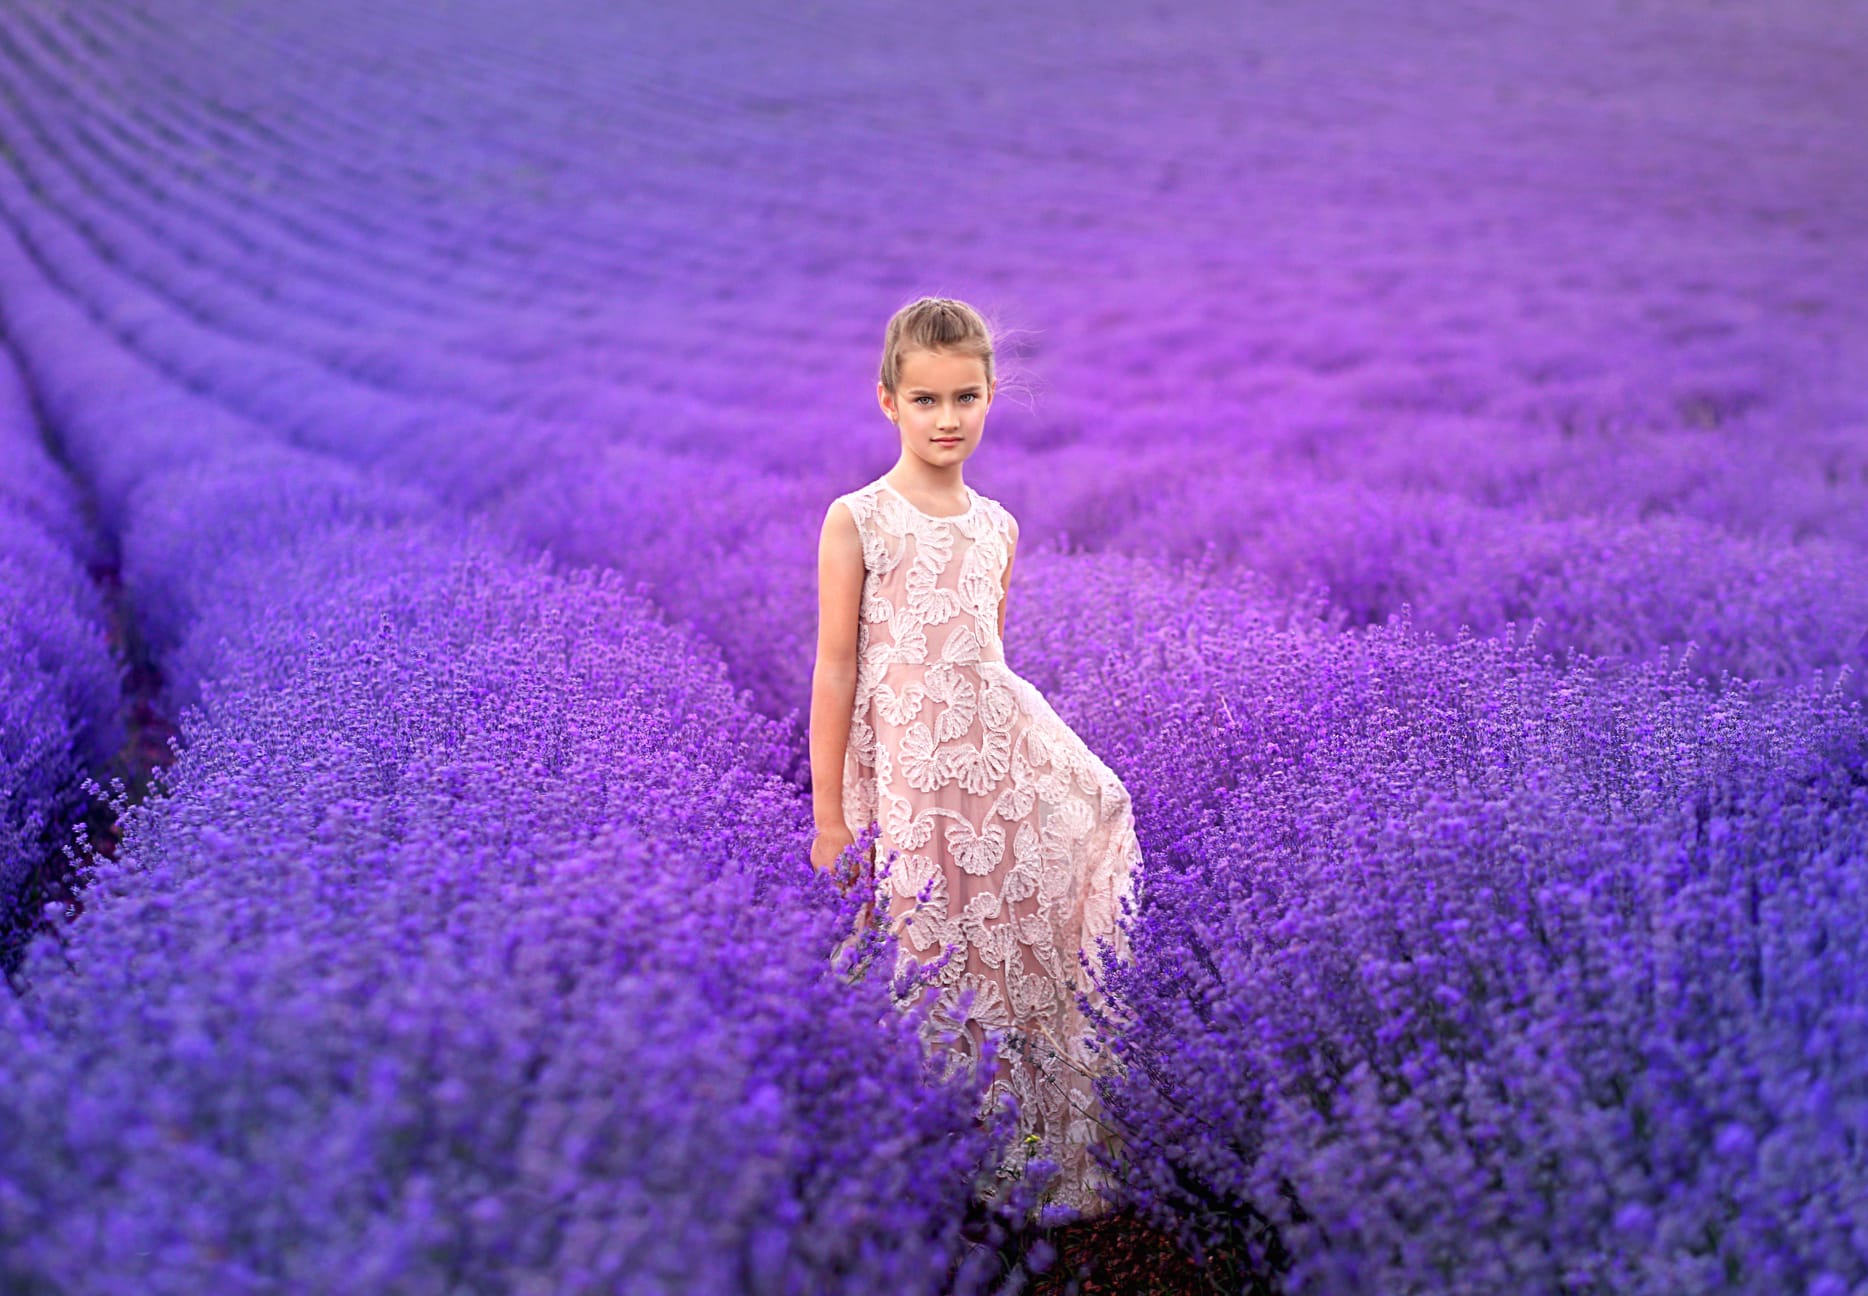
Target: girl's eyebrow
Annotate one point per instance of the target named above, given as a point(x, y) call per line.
point(929, 391)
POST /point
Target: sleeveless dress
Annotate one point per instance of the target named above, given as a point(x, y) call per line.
point(1023, 840)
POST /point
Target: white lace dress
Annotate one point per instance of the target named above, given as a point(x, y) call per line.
point(1024, 840)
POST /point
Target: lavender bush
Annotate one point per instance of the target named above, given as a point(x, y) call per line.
point(1622, 587)
point(36, 774)
point(473, 914)
point(190, 527)
point(59, 676)
point(1493, 978)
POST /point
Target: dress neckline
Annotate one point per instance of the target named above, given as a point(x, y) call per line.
point(972, 503)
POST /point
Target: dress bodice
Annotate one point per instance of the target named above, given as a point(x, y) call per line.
point(931, 585)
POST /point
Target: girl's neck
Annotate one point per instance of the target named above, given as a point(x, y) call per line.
point(933, 490)
point(913, 475)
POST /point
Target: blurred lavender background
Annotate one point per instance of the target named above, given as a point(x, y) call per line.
point(1441, 438)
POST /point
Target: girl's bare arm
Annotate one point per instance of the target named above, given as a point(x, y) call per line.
point(833, 679)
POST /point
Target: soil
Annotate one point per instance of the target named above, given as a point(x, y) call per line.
point(1119, 1255)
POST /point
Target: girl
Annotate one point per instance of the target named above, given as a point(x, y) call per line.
point(1023, 839)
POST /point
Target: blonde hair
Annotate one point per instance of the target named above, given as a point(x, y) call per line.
point(935, 324)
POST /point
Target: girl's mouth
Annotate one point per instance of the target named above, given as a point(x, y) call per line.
point(946, 440)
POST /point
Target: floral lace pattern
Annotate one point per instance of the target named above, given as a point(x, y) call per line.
point(1022, 839)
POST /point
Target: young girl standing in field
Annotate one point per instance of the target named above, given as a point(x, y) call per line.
point(1022, 838)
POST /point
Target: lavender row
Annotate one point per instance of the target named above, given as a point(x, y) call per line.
point(59, 676)
point(1457, 971)
point(265, 193)
point(469, 943)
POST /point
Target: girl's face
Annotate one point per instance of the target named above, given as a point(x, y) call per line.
point(941, 407)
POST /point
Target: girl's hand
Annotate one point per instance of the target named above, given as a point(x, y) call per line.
point(830, 843)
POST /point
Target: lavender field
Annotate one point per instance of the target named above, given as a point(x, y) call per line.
point(1440, 438)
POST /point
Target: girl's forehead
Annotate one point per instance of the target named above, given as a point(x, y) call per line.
point(930, 368)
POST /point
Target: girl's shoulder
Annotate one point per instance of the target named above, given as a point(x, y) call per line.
point(861, 502)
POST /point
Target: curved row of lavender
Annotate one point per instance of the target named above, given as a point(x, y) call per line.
point(59, 676)
point(1460, 966)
